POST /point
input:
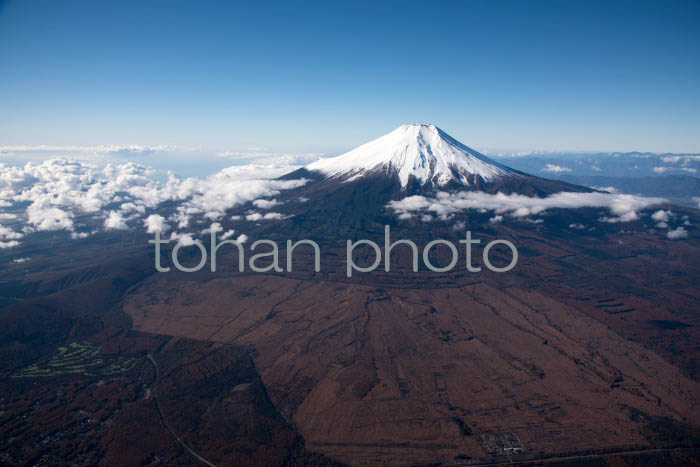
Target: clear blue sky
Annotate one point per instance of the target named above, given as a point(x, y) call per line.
point(326, 76)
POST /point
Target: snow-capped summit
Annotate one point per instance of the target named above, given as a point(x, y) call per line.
point(415, 150)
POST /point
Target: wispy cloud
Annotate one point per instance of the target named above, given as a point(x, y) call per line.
point(684, 159)
point(553, 168)
point(107, 149)
point(262, 156)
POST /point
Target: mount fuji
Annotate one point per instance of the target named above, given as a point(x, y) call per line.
point(414, 159)
point(422, 158)
point(419, 151)
point(589, 345)
point(406, 367)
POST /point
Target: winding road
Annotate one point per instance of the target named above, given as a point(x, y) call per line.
point(165, 422)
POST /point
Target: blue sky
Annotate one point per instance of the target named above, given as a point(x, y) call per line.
point(327, 76)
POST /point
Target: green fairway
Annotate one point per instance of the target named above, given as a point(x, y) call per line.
point(78, 359)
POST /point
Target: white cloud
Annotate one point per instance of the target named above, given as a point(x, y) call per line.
point(115, 221)
point(265, 203)
point(228, 234)
point(662, 216)
point(49, 218)
point(553, 168)
point(233, 186)
point(262, 156)
point(128, 207)
point(155, 223)
point(7, 233)
point(685, 162)
point(679, 232)
point(110, 149)
point(57, 190)
point(216, 227)
point(495, 219)
point(626, 217)
point(256, 216)
point(685, 159)
point(8, 237)
point(444, 205)
point(185, 239)
point(20, 260)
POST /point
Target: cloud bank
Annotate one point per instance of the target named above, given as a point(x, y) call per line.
point(445, 205)
point(60, 194)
